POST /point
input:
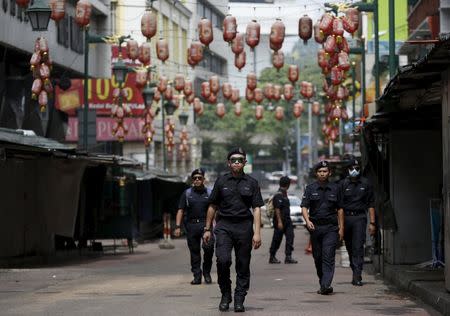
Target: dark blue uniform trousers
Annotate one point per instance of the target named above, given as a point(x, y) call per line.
point(194, 234)
point(355, 237)
point(288, 230)
point(324, 241)
point(237, 235)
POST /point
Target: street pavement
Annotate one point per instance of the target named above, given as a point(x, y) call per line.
point(154, 281)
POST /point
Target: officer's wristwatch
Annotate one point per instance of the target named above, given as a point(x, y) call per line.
point(206, 229)
point(372, 223)
point(177, 226)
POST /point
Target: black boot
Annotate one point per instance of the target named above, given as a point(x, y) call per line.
point(225, 301)
point(325, 290)
point(289, 259)
point(239, 304)
point(273, 259)
point(197, 280)
point(207, 277)
point(357, 280)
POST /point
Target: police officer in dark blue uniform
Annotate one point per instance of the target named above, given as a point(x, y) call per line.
point(325, 222)
point(282, 223)
point(358, 198)
point(193, 206)
point(233, 196)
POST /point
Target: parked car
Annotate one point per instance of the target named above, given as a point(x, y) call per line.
point(296, 210)
point(274, 177)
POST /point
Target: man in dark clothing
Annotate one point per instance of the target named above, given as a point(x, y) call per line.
point(358, 198)
point(282, 223)
point(325, 222)
point(193, 206)
point(233, 195)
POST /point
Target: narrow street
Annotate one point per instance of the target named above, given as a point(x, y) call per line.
point(156, 282)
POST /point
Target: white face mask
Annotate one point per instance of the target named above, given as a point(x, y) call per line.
point(353, 173)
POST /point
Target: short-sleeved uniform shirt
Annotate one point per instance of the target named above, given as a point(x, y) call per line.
point(234, 196)
point(196, 204)
point(357, 195)
point(323, 201)
point(281, 201)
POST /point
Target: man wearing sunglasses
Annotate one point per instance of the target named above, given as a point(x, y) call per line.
point(193, 206)
point(233, 196)
point(358, 198)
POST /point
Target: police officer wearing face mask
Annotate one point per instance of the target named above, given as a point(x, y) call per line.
point(325, 222)
point(233, 196)
point(358, 199)
point(193, 206)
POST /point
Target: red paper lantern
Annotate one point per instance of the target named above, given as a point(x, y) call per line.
point(343, 61)
point(279, 113)
point(48, 86)
point(144, 53)
point(212, 98)
point(188, 89)
point(277, 32)
point(297, 109)
point(336, 76)
point(42, 45)
point(249, 94)
point(293, 73)
point(220, 110)
point(141, 77)
point(319, 37)
point(344, 114)
point(196, 51)
point(268, 91)
point(237, 44)
point(162, 49)
point(235, 95)
point(190, 98)
point(351, 20)
point(132, 49)
point(198, 106)
point(36, 88)
point(330, 44)
point(343, 45)
point(258, 95)
point(278, 59)
point(238, 109)
point(35, 59)
point(322, 60)
point(44, 71)
point(227, 90)
point(205, 31)
point(179, 82)
point(326, 23)
point(162, 84)
point(83, 12)
point(58, 9)
point(340, 94)
point(305, 28)
point(338, 27)
point(276, 92)
point(315, 108)
point(253, 34)
point(43, 99)
point(214, 84)
point(288, 91)
point(336, 113)
point(239, 60)
point(205, 90)
point(23, 3)
point(275, 47)
point(149, 24)
point(251, 81)
point(168, 94)
point(331, 92)
point(229, 28)
point(191, 62)
point(259, 112)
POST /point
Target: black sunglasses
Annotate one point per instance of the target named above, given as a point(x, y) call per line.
point(354, 168)
point(237, 160)
point(197, 178)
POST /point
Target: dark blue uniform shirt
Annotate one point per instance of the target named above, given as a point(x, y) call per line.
point(358, 195)
point(322, 201)
point(197, 203)
point(281, 201)
point(234, 196)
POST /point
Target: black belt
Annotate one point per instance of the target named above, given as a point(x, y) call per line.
point(354, 213)
point(196, 220)
point(325, 221)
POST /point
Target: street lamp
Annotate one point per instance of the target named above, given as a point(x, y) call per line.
point(120, 71)
point(183, 118)
point(39, 15)
point(149, 93)
point(169, 107)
